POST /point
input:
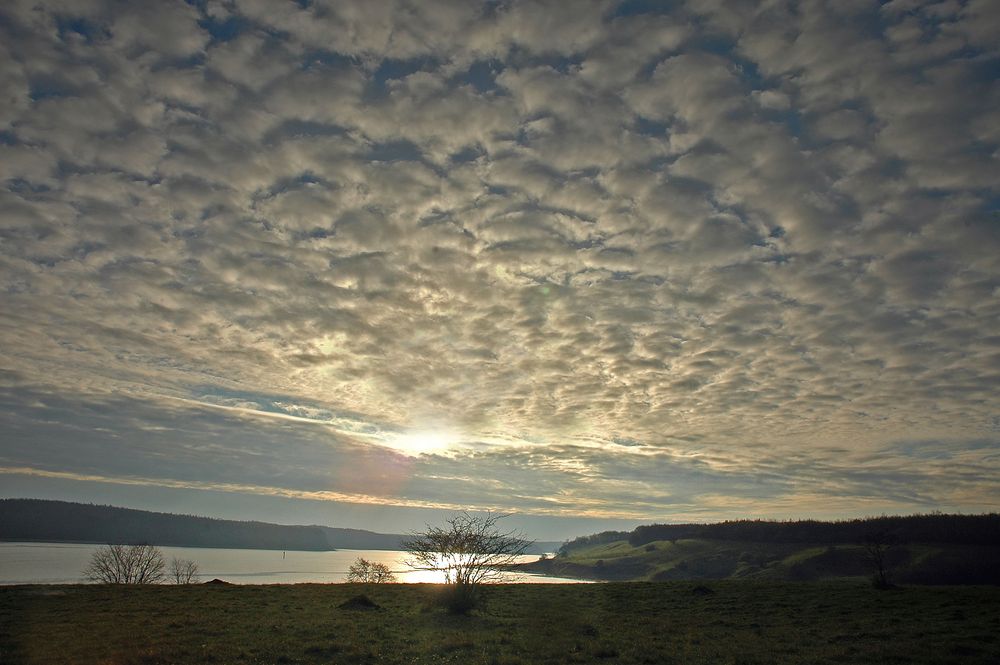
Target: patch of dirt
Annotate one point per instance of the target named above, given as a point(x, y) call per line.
point(361, 602)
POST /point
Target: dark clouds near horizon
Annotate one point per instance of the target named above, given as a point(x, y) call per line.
point(624, 259)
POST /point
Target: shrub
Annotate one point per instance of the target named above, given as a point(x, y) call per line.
point(369, 572)
point(126, 564)
point(460, 598)
point(469, 552)
point(183, 571)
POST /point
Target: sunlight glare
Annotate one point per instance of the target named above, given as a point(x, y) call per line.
point(424, 442)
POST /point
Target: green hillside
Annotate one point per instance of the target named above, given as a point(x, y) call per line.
point(697, 558)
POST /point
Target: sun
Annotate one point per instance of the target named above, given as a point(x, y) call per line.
point(423, 442)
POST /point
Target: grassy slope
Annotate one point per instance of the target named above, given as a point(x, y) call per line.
point(718, 559)
point(736, 622)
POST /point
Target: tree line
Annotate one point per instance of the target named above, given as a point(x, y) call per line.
point(594, 539)
point(61, 521)
point(932, 528)
point(927, 528)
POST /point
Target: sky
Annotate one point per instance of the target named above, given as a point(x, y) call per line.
point(593, 263)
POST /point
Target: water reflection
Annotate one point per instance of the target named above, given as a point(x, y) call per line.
point(61, 563)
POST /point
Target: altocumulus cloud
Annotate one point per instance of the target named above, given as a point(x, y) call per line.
point(634, 259)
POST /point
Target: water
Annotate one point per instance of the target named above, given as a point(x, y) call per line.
point(62, 563)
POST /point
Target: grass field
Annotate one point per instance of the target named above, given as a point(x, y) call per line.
point(674, 622)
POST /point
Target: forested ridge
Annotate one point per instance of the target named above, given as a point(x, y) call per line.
point(914, 549)
point(943, 528)
point(61, 521)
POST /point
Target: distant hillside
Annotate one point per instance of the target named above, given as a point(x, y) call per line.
point(60, 521)
point(935, 528)
point(927, 549)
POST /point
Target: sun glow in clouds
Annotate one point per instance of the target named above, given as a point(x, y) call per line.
point(423, 442)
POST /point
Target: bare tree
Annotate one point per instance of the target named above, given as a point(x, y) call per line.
point(369, 572)
point(470, 551)
point(183, 571)
point(877, 546)
point(126, 564)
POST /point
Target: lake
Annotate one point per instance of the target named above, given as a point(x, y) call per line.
point(62, 563)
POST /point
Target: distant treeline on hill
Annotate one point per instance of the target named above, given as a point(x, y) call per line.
point(933, 528)
point(60, 521)
point(595, 539)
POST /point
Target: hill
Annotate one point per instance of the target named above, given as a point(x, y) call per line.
point(933, 528)
point(926, 549)
point(62, 521)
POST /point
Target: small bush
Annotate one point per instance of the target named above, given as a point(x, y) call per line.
point(364, 571)
point(183, 571)
point(460, 598)
point(126, 564)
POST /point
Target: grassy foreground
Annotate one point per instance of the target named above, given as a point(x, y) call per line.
point(674, 622)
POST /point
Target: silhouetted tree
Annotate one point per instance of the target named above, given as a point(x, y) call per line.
point(183, 571)
point(877, 545)
point(126, 564)
point(369, 572)
point(470, 551)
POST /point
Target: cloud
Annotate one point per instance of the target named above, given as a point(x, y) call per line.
point(740, 236)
